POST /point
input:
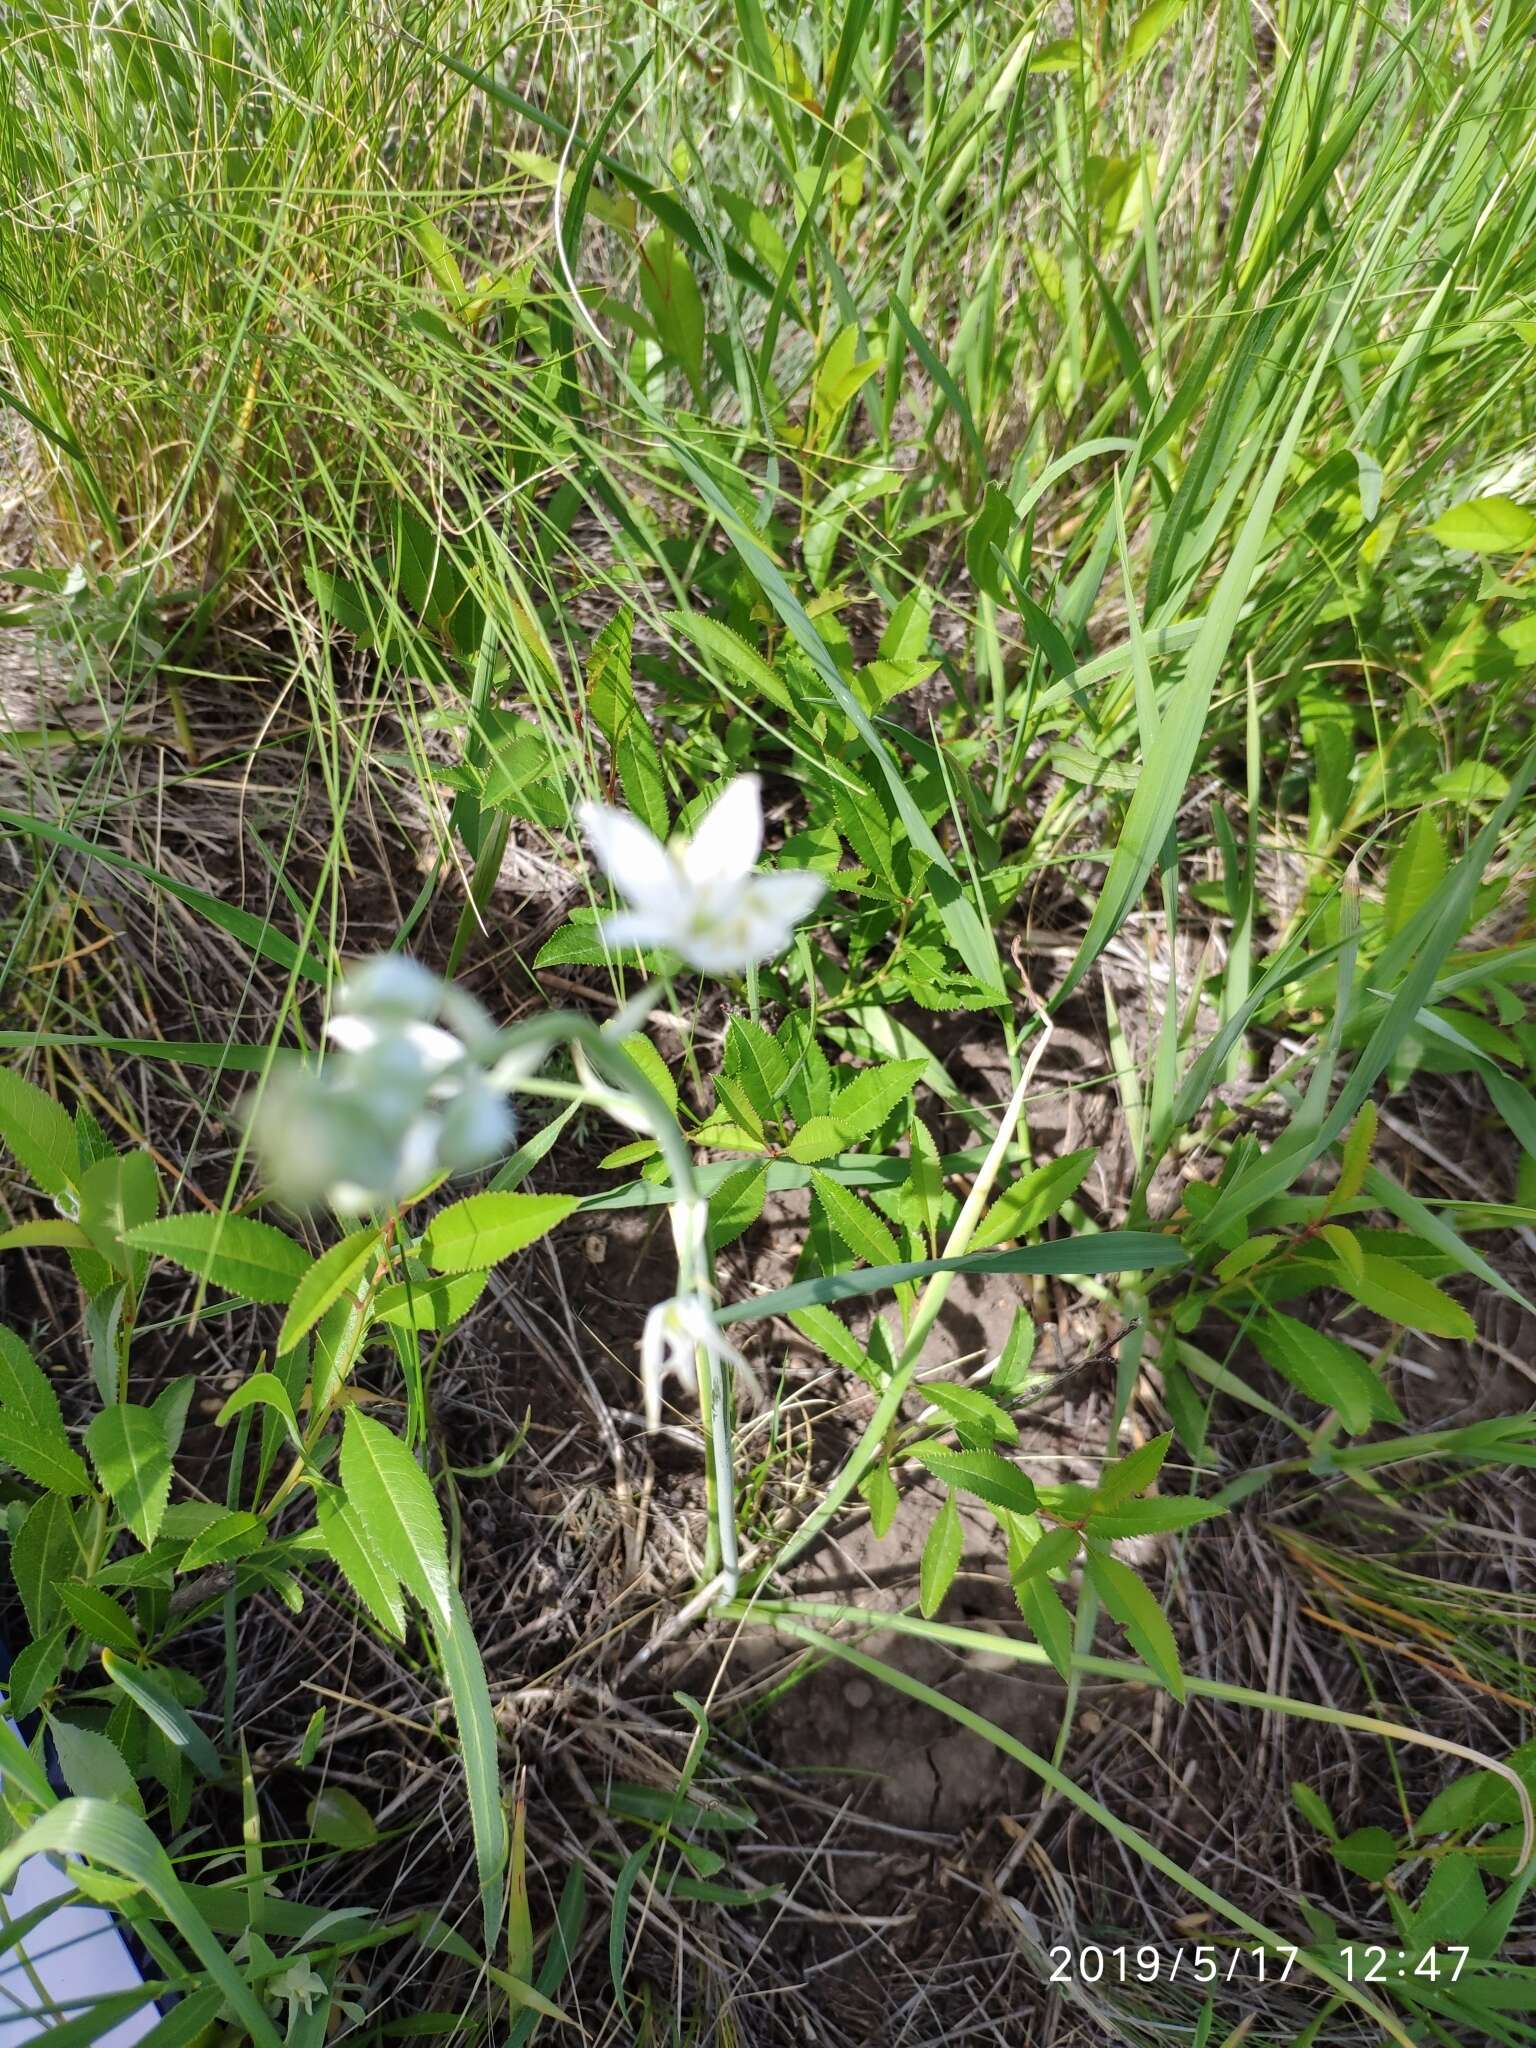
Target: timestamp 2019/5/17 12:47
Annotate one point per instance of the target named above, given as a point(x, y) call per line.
point(1208, 1963)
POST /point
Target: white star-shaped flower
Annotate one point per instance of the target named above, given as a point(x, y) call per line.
point(703, 898)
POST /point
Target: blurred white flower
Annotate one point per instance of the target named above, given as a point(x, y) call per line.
point(403, 1097)
point(675, 1331)
point(701, 897)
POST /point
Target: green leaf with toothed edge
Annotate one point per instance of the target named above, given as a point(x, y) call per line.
point(39, 1134)
point(32, 1435)
point(128, 1448)
point(239, 1254)
point(942, 1551)
point(325, 1282)
point(1129, 1600)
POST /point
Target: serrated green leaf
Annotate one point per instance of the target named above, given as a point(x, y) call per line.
point(1417, 870)
point(736, 1101)
point(737, 1203)
point(1356, 1156)
point(868, 1099)
point(473, 1234)
point(990, 1477)
point(1158, 1516)
point(1033, 1199)
point(128, 1448)
point(744, 663)
point(978, 1419)
point(1370, 1853)
point(1055, 1551)
point(833, 1337)
point(1131, 1474)
point(1047, 1618)
point(39, 1133)
point(819, 1138)
point(92, 1765)
point(1397, 1292)
point(336, 1272)
point(99, 1618)
point(922, 1196)
point(855, 1223)
point(639, 1050)
point(1131, 1603)
point(1325, 1370)
point(757, 1060)
point(32, 1435)
point(234, 1535)
point(436, 1304)
point(237, 1253)
point(44, 1551)
point(364, 1571)
point(620, 718)
point(942, 1551)
point(879, 1490)
point(1016, 1357)
point(396, 1509)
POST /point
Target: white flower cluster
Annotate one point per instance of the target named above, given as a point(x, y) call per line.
point(406, 1094)
point(702, 898)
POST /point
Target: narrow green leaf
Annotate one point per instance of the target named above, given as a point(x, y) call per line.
point(1109, 1251)
point(106, 1833)
point(149, 1691)
point(942, 1551)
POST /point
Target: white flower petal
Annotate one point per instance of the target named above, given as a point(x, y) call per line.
point(634, 860)
point(352, 1034)
point(786, 893)
point(729, 838)
point(438, 1048)
point(639, 928)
